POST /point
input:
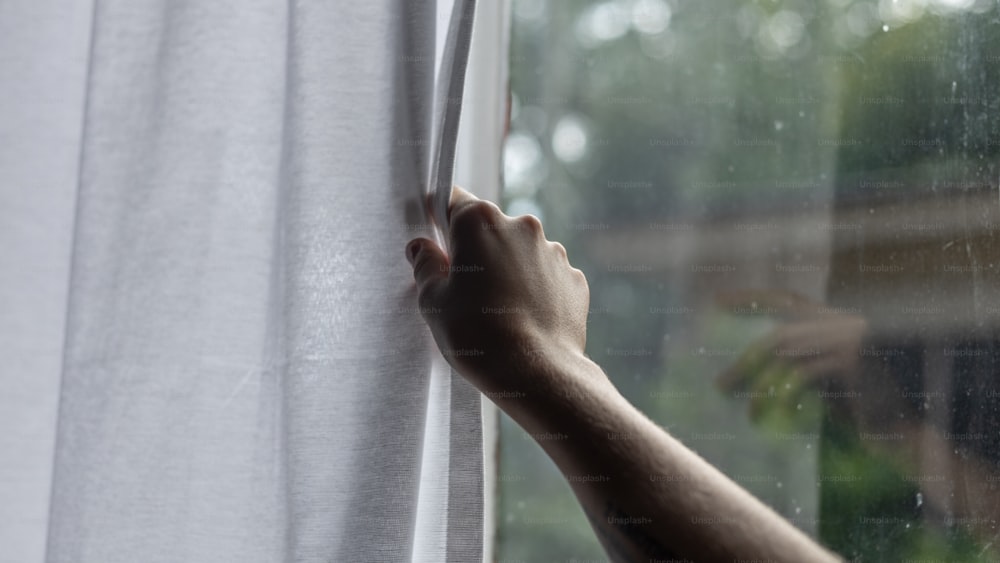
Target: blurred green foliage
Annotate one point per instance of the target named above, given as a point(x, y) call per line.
point(628, 112)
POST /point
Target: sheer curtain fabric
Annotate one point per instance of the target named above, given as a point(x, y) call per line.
point(210, 344)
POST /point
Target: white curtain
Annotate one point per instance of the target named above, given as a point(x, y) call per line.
point(209, 342)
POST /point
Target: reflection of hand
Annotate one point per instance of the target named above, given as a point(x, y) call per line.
point(814, 346)
point(505, 298)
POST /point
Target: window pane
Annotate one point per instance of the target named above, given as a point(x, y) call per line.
point(787, 213)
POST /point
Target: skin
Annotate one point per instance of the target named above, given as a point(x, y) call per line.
point(509, 313)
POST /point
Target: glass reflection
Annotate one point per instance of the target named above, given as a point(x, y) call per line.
point(787, 212)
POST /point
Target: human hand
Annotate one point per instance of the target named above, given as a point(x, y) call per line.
point(505, 300)
point(814, 346)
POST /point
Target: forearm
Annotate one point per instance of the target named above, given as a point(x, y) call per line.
point(505, 290)
point(647, 496)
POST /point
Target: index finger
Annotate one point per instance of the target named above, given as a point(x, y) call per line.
point(442, 209)
point(459, 198)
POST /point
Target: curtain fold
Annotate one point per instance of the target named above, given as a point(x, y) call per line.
point(245, 375)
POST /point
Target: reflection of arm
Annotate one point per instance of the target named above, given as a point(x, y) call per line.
point(845, 355)
point(646, 494)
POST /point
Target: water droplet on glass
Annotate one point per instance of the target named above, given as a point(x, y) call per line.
point(920, 499)
point(779, 125)
point(798, 406)
point(885, 27)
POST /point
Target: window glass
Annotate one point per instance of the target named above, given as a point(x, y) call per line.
point(787, 211)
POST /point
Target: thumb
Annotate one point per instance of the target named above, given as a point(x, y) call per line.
point(430, 268)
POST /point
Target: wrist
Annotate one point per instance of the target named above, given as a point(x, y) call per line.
point(562, 387)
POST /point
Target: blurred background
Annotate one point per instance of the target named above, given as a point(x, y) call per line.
point(786, 210)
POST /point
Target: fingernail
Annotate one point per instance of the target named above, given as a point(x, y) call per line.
point(412, 250)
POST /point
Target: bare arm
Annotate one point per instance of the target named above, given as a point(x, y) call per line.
point(647, 496)
point(509, 314)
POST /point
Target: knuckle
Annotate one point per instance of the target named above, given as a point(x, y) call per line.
point(474, 216)
point(560, 249)
point(531, 223)
point(582, 280)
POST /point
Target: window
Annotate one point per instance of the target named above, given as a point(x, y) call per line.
point(788, 213)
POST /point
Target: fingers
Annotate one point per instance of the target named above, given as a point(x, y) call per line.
point(468, 214)
point(459, 198)
point(787, 346)
point(531, 224)
point(430, 268)
point(473, 222)
point(560, 250)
